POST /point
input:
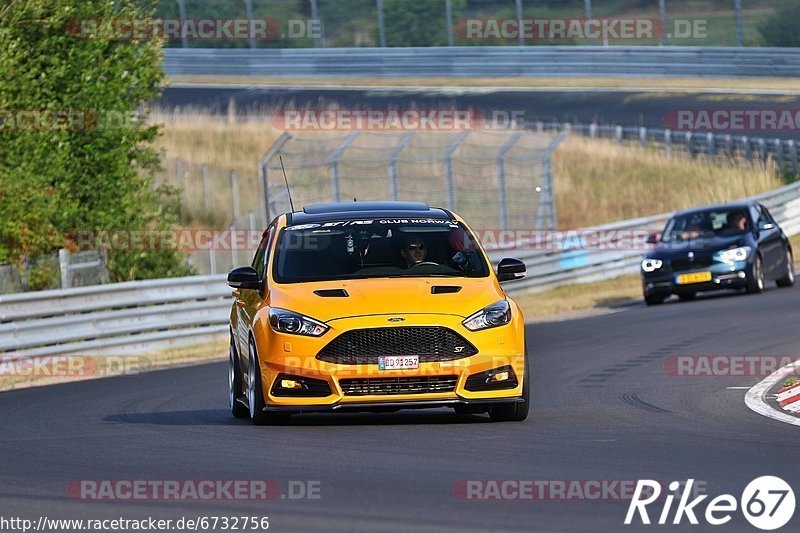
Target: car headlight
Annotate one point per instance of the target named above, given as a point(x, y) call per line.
point(285, 321)
point(492, 316)
point(734, 254)
point(651, 265)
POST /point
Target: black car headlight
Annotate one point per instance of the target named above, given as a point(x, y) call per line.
point(492, 316)
point(285, 321)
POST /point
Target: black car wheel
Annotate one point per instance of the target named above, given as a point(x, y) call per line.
point(756, 283)
point(255, 393)
point(517, 411)
point(654, 299)
point(788, 279)
point(238, 409)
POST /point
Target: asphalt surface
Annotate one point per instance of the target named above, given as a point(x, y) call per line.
point(604, 408)
point(614, 107)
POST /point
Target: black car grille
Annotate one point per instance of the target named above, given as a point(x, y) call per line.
point(679, 265)
point(391, 386)
point(364, 346)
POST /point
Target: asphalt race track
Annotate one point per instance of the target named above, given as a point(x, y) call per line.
point(612, 106)
point(604, 408)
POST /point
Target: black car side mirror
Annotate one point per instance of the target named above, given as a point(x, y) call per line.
point(511, 269)
point(244, 278)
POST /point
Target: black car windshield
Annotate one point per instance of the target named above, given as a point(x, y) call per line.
point(707, 224)
point(377, 248)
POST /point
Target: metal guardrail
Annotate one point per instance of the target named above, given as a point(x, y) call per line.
point(142, 316)
point(616, 61)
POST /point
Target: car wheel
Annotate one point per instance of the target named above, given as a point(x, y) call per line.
point(788, 279)
point(756, 283)
point(654, 299)
point(517, 411)
point(688, 296)
point(238, 409)
point(255, 393)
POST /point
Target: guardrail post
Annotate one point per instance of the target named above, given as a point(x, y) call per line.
point(729, 145)
point(668, 141)
point(450, 184)
point(206, 187)
point(235, 194)
point(779, 155)
point(711, 147)
point(63, 263)
point(643, 136)
point(618, 134)
point(762, 150)
point(793, 156)
point(539, 126)
point(593, 131)
point(689, 142)
point(748, 154)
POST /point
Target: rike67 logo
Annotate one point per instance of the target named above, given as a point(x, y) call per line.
point(767, 503)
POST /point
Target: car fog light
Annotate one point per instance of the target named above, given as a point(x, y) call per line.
point(500, 376)
point(291, 384)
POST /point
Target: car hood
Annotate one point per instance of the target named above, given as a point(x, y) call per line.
point(705, 246)
point(395, 296)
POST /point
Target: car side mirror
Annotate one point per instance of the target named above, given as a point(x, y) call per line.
point(653, 238)
point(511, 269)
point(765, 225)
point(244, 278)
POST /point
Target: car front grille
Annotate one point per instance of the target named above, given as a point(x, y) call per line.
point(679, 265)
point(364, 346)
point(393, 386)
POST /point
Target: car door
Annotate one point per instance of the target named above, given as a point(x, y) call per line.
point(770, 241)
point(240, 301)
point(252, 300)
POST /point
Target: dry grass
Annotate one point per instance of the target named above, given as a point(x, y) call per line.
point(690, 84)
point(599, 181)
point(579, 297)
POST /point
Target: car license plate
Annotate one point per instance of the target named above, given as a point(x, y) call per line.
point(396, 362)
point(697, 277)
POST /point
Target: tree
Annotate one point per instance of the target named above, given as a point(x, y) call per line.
point(418, 23)
point(76, 153)
point(783, 27)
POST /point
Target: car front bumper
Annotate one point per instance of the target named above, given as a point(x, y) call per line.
point(723, 276)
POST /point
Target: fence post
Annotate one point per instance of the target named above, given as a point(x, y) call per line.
point(739, 26)
point(206, 186)
point(710, 144)
point(182, 15)
point(689, 142)
point(63, 263)
point(519, 23)
point(235, 194)
point(593, 131)
point(381, 26)
point(212, 259)
point(450, 184)
point(762, 150)
point(234, 243)
point(729, 145)
point(668, 141)
point(248, 6)
point(336, 190)
point(618, 134)
point(179, 181)
point(748, 153)
point(501, 178)
point(643, 136)
point(448, 7)
point(393, 155)
point(662, 11)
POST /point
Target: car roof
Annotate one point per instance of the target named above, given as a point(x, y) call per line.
point(744, 205)
point(365, 210)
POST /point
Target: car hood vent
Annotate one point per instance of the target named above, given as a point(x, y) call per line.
point(332, 293)
point(445, 289)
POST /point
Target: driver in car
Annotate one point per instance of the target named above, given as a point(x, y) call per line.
point(414, 251)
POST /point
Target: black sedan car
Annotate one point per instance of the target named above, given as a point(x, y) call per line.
point(732, 246)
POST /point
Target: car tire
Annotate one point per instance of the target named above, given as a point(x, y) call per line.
point(687, 297)
point(255, 394)
point(654, 299)
point(517, 411)
point(788, 279)
point(756, 283)
point(235, 388)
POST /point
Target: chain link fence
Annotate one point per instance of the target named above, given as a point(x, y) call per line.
point(58, 271)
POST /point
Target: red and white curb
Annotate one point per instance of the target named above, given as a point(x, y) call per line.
point(788, 397)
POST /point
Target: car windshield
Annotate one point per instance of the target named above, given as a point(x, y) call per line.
point(707, 224)
point(377, 248)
